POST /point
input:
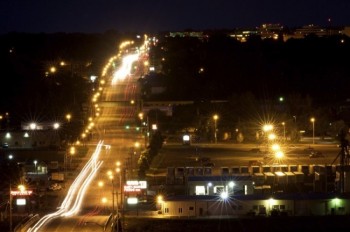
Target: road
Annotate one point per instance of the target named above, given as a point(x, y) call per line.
point(94, 193)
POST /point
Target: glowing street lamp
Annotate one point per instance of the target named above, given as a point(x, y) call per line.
point(32, 126)
point(312, 120)
point(267, 127)
point(36, 170)
point(284, 130)
point(68, 117)
point(56, 125)
point(208, 186)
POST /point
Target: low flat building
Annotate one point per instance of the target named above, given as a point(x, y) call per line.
point(317, 204)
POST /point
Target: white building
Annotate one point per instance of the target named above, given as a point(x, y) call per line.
point(244, 205)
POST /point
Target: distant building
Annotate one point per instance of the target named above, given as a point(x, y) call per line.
point(270, 31)
point(242, 35)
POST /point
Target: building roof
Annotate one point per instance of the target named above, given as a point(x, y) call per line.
point(220, 178)
point(283, 196)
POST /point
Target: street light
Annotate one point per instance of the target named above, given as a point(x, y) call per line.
point(284, 130)
point(313, 130)
point(68, 117)
point(110, 176)
point(35, 162)
point(215, 117)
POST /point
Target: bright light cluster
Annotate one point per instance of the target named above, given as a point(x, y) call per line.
point(125, 68)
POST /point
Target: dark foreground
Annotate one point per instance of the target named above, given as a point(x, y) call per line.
point(271, 224)
point(285, 224)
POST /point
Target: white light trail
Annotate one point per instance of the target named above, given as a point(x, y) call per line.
point(125, 68)
point(76, 191)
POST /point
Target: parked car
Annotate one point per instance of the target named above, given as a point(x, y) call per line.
point(209, 165)
point(316, 154)
point(55, 187)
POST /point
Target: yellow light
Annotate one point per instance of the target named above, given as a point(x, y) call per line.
point(52, 69)
point(72, 150)
point(271, 136)
point(68, 117)
point(216, 117)
point(267, 127)
point(279, 155)
point(21, 188)
point(100, 184)
point(118, 163)
point(160, 199)
point(276, 147)
point(104, 200)
point(312, 119)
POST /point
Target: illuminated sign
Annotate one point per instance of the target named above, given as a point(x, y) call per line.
point(132, 200)
point(22, 193)
point(21, 201)
point(135, 186)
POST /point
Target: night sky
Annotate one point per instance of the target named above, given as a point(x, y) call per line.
point(164, 15)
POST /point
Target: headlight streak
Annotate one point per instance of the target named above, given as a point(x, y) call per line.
point(125, 68)
point(77, 190)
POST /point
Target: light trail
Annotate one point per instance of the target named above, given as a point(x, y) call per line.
point(125, 68)
point(76, 191)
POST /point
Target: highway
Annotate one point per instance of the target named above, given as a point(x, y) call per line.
point(94, 194)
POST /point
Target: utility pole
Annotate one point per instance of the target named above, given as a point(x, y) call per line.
point(10, 203)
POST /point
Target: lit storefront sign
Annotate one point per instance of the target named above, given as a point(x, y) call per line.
point(22, 193)
point(135, 186)
point(132, 201)
point(21, 201)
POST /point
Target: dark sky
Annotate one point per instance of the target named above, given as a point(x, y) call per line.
point(158, 15)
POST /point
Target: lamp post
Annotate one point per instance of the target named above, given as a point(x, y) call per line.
point(36, 170)
point(313, 130)
point(215, 117)
point(68, 117)
point(10, 203)
point(267, 128)
point(119, 172)
point(284, 130)
point(110, 176)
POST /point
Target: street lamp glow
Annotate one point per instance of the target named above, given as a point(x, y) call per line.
point(215, 117)
point(224, 195)
point(279, 155)
point(272, 136)
point(56, 125)
point(160, 199)
point(276, 147)
point(32, 126)
point(267, 127)
point(104, 200)
point(53, 69)
point(68, 117)
point(21, 188)
point(100, 184)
